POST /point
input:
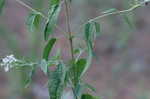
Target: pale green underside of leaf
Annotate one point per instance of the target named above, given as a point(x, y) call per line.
point(57, 82)
point(91, 30)
point(30, 74)
point(51, 23)
point(44, 66)
point(33, 21)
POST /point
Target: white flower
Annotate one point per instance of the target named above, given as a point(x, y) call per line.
point(7, 62)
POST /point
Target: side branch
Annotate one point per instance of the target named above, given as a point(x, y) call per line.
point(30, 8)
point(41, 14)
point(115, 12)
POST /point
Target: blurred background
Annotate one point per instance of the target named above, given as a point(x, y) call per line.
point(121, 66)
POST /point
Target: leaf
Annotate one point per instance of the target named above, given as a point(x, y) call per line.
point(44, 66)
point(53, 16)
point(76, 70)
point(89, 41)
point(30, 74)
point(90, 29)
point(87, 31)
point(33, 21)
point(48, 48)
point(57, 82)
point(80, 66)
point(54, 2)
point(97, 28)
point(2, 3)
point(88, 96)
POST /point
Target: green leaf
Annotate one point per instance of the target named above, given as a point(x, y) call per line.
point(57, 82)
point(80, 66)
point(44, 66)
point(81, 87)
point(33, 21)
point(87, 31)
point(48, 48)
point(54, 2)
point(97, 28)
point(51, 23)
point(89, 42)
point(88, 96)
point(30, 74)
point(90, 29)
point(2, 3)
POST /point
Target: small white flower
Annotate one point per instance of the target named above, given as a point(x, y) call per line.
point(6, 68)
point(7, 62)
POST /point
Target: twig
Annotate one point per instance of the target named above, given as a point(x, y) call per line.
point(41, 14)
point(114, 13)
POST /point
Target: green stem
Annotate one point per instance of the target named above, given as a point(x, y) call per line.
point(41, 14)
point(67, 8)
point(114, 13)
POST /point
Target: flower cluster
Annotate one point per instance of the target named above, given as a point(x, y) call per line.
point(7, 62)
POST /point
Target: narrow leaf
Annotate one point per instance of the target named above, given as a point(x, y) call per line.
point(51, 23)
point(48, 48)
point(89, 40)
point(87, 31)
point(57, 82)
point(97, 28)
point(33, 21)
point(44, 66)
point(88, 96)
point(80, 66)
point(54, 2)
point(30, 74)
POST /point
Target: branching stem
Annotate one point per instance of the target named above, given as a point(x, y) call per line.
point(41, 14)
point(67, 8)
point(114, 13)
